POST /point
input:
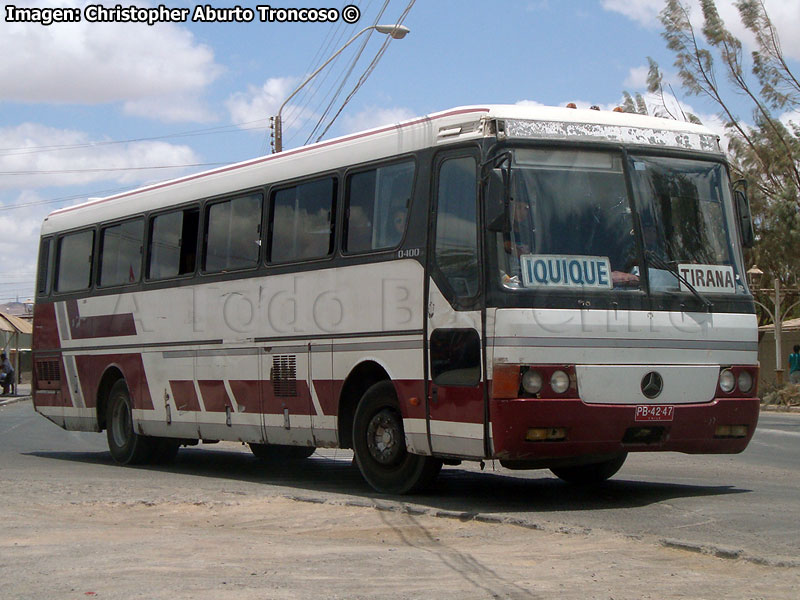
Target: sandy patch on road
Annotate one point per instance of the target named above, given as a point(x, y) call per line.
point(256, 548)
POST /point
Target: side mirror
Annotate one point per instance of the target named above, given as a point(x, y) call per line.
point(745, 218)
point(498, 216)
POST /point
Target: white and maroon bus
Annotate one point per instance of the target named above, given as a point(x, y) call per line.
point(549, 287)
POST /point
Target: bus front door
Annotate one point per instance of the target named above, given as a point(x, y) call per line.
point(456, 408)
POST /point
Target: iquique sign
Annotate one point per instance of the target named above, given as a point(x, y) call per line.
point(557, 271)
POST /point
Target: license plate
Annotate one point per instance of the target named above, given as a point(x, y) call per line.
point(654, 413)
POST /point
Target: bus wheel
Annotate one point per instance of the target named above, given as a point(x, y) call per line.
point(126, 446)
point(280, 452)
point(379, 445)
point(591, 473)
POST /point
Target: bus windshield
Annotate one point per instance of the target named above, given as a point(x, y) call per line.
point(571, 224)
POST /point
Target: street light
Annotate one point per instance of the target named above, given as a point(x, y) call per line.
point(777, 314)
point(396, 31)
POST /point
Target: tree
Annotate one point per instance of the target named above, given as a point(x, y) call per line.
point(766, 153)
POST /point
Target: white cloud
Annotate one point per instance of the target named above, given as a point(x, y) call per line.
point(19, 245)
point(637, 78)
point(372, 117)
point(258, 103)
point(644, 12)
point(159, 71)
point(530, 103)
point(33, 168)
point(784, 14)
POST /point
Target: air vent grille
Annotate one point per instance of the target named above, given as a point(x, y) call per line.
point(284, 375)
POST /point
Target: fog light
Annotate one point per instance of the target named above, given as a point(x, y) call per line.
point(559, 381)
point(546, 434)
point(532, 381)
point(730, 431)
point(745, 381)
point(727, 381)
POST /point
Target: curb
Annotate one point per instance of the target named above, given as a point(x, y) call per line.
point(6, 400)
point(728, 553)
point(416, 510)
point(780, 408)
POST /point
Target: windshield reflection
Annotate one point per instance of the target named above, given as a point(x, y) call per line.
point(570, 224)
point(685, 208)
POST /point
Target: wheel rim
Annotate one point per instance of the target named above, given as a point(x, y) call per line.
point(121, 423)
point(385, 440)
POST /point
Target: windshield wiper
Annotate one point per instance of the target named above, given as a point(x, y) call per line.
point(652, 257)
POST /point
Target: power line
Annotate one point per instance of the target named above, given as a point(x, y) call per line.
point(334, 39)
point(233, 128)
point(111, 169)
point(368, 71)
point(355, 60)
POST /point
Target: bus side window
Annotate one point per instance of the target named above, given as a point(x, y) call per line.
point(302, 221)
point(121, 253)
point(43, 275)
point(74, 271)
point(377, 207)
point(456, 225)
point(233, 236)
point(173, 244)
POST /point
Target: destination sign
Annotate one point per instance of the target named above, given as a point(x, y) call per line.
point(708, 278)
point(557, 271)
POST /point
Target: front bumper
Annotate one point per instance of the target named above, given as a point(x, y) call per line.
point(593, 429)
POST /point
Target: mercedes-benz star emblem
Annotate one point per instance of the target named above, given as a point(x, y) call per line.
point(652, 384)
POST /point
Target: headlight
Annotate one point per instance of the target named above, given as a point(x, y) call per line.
point(745, 381)
point(532, 381)
point(727, 381)
point(559, 381)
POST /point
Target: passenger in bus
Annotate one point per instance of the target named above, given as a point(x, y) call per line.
point(518, 241)
point(398, 226)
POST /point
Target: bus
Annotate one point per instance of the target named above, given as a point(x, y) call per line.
point(552, 288)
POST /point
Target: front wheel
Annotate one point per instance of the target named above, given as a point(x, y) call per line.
point(126, 446)
point(591, 473)
point(379, 445)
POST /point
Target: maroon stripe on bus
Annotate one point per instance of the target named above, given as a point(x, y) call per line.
point(45, 327)
point(327, 401)
point(185, 396)
point(54, 398)
point(83, 328)
point(276, 402)
point(247, 395)
point(91, 369)
point(215, 398)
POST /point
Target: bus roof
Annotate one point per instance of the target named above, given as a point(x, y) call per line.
point(446, 127)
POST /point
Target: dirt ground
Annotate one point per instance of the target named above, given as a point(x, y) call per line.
point(60, 546)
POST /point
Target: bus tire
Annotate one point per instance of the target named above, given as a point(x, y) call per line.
point(280, 452)
point(591, 473)
point(379, 445)
point(127, 447)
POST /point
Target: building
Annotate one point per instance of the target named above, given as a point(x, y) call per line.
point(766, 351)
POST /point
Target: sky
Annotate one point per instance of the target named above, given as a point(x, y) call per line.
point(90, 108)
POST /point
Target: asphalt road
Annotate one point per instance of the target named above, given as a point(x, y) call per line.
point(745, 506)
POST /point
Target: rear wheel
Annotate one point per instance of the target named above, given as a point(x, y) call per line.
point(379, 445)
point(279, 452)
point(591, 473)
point(126, 446)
